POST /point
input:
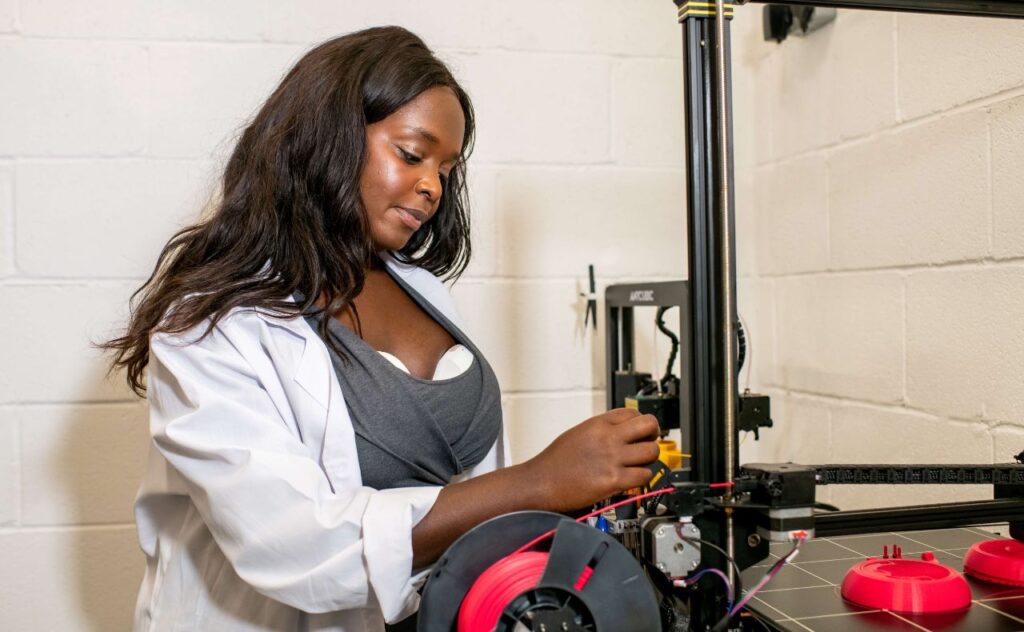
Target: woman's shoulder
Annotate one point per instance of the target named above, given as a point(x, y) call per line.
point(238, 323)
point(250, 344)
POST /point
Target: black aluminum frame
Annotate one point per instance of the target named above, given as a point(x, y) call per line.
point(705, 178)
point(979, 8)
point(706, 351)
point(919, 517)
point(707, 397)
point(619, 301)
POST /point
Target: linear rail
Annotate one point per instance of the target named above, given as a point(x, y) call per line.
point(894, 474)
point(980, 8)
point(919, 517)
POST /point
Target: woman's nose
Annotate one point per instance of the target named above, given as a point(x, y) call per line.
point(430, 186)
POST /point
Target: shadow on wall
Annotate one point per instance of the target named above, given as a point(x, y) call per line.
point(97, 461)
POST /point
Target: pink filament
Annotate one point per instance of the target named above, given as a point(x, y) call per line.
point(496, 587)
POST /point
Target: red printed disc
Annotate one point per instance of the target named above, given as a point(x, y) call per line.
point(905, 585)
point(996, 561)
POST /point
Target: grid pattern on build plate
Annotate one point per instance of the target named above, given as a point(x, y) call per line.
point(804, 596)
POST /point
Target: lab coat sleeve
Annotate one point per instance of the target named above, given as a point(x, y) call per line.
point(264, 497)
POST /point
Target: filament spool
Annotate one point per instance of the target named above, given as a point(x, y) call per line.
point(585, 580)
point(502, 584)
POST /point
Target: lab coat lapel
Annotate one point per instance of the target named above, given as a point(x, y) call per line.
point(315, 375)
point(310, 375)
point(317, 404)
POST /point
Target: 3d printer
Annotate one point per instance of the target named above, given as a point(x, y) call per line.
point(671, 558)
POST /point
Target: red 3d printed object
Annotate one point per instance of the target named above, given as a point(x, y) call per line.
point(904, 585)
point(996, 561)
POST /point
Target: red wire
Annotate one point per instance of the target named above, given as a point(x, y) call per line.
point(519, 572)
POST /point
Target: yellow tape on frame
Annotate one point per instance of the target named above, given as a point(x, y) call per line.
point(702, 9)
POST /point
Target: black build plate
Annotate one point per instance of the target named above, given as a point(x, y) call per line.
point(804, 596)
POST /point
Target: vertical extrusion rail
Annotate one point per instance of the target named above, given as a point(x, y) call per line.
point(727, 279)
point(710, 235)
point(710, 239)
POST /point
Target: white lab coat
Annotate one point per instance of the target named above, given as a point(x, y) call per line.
point(252, 512)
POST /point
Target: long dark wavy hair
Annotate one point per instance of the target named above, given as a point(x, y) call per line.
point(290, 218)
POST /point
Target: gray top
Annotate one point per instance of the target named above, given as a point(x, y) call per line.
point(412, 432)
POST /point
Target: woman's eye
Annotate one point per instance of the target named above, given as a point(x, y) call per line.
point(409, 157)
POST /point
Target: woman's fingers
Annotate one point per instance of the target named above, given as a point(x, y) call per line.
point(620, 415)
point(636, 477)
point(598, 457)
point(640, 428)
point(640, 454)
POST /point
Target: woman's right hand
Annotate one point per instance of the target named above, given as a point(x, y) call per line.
point(596, 459)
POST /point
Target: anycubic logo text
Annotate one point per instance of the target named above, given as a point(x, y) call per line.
point(642, 296)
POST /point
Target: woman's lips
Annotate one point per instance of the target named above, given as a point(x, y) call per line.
point(411, 217)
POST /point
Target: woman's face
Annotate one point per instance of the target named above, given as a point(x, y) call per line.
point(409, 155)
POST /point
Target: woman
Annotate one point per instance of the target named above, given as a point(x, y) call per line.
point(321, 425)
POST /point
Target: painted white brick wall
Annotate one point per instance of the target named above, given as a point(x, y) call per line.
point(541, 211)
point(10, 471)
point(507, 87)
point(898, 439)
point(593, 26)
point(114, 119)
point(802, 433)
point(67, 474)
point(483, 192)
point(46, 332)
point(788, 202)
point(447, 23)
point(532, 333)
point(919, 195)
point(91, 102)
point(949, 61)
point(81, 578)
point(233, 80)
point(1007, 186)
point(8, 16)
point(646, 123)
point(541, 416)
point(146, 20)
point(887, 235)
point(841, 335)
point(6, 219)
point(756, 305)
point(68, 210)
point(965, 344)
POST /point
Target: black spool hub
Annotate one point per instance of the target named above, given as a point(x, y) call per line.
point(552, 608)
point(617, 597)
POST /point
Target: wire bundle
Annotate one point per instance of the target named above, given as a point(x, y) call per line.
point(496, 587)
point(521, 571)
point(690, 581)
point(772, 572)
